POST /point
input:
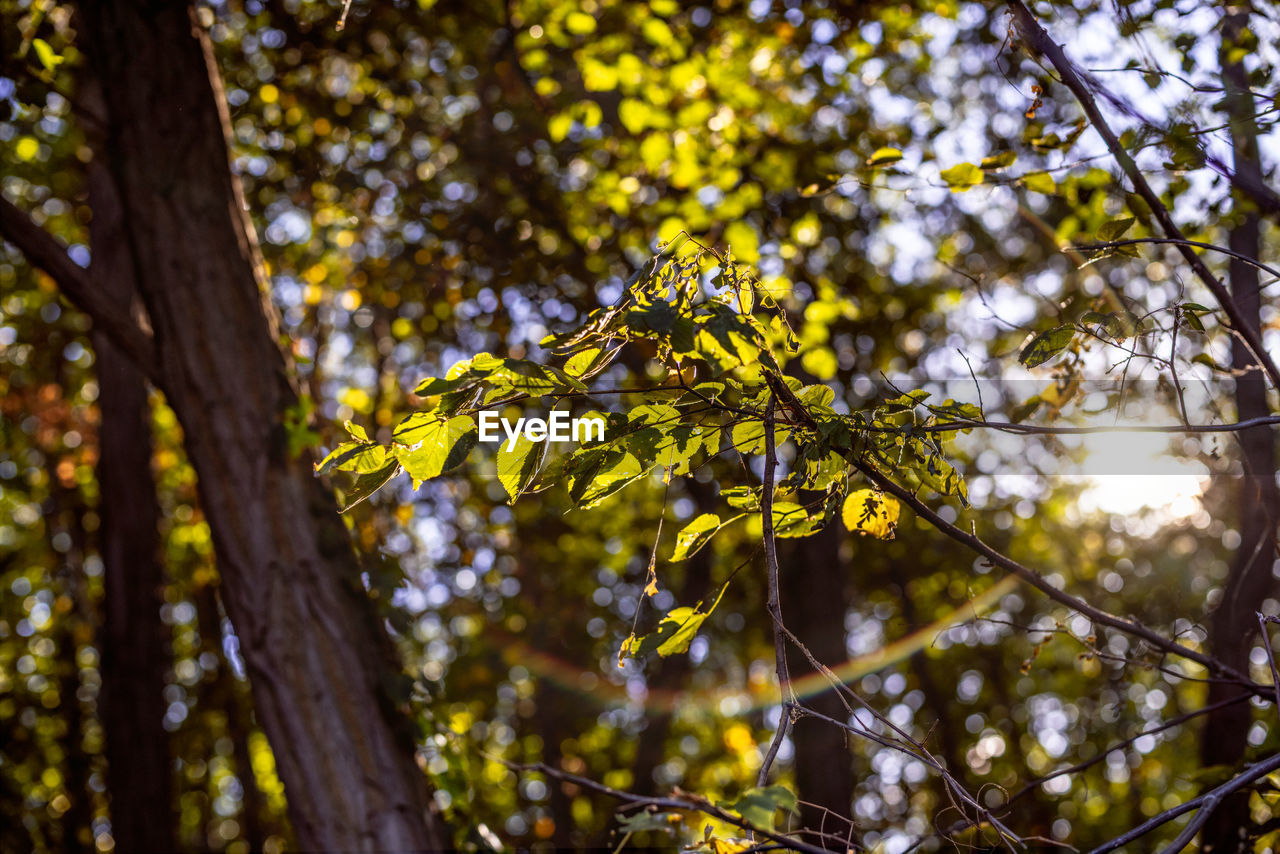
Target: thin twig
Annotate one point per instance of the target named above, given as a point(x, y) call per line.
point(1176, 241)
point(681, 801)
point(1039, 42)
point(774, 603)
point(1206, 803)
point(1037, 581)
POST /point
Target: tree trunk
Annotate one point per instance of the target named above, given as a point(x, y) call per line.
point(313, 646)
point(134, 639)
point(813, 604)
point(1235, 627)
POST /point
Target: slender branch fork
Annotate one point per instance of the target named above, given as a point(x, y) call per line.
point(679, 800)
point(1172, 241)
point(1040, 43)
point(774, 603)
point(45, 251)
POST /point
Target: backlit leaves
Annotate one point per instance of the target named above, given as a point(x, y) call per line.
point(695, 535)
point(962, 177)
point(430, 446)
point(1115, 229)
point(869, 511)
point(760, 806)
point(674, 633)
point(518, 464)
point(884, 157)
point(1046, 345)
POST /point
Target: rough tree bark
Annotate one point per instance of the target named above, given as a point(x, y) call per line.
point(1234, 626)
point(312, 644)
point(134, 639)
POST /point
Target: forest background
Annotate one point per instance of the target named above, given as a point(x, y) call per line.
point(239, 236)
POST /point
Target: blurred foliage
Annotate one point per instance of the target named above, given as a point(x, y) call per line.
point(438, 180)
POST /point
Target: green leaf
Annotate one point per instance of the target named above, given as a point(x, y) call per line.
point(998, 161)
point(962, 177)
point(353, 456)
point(581, 363)
point(1046, 345)
point(708, 391)
point(674, 633)
point(1207, 360)
point(816, 395)
point(793, 520)
point(667, 822)
point(1040, 182)
point(884, 157)
point(869, 511)
point(355, 431)
point(519, 464)
point(942, 477)
point(598, 473)
point(677, 446)
point(653, 413)
point(442, 445)
point(758, 806)
point(748, 436)
point(433, 386)
point(695, 535)
point(1113, 230)
point(1105, 324)
point(742, 497)
point(368, 484)
point(655, 317)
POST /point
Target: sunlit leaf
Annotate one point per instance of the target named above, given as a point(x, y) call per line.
point(759, 806)
point(695, 535)
point(884, 157)
point(962, 177)
point(441, 445)
point(518, 464)
point(1046, 345)
point(368, 484)
point(1115, 229)
point(869, 511)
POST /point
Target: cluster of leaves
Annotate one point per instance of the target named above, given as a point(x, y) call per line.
point(725, 341)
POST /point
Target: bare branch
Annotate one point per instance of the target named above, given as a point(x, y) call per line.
point(1206, 803)
point(45, 251)
point(1170, 241)
point(1040, 42)
point(774, 603)
point(1037, 581)
point(680, 801)
point(1040, 430)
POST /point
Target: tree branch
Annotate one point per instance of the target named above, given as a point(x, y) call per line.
point(1206, 803)
point(774, 603)
point(1172, 241)
point(1037, 581)
point(681, 801)
point(1039, 42)
point(45, 251)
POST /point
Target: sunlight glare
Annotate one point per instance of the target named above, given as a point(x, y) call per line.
point(1127, 472)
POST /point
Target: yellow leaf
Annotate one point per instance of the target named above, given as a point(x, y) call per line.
point(869, 511)
point(884, 157)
